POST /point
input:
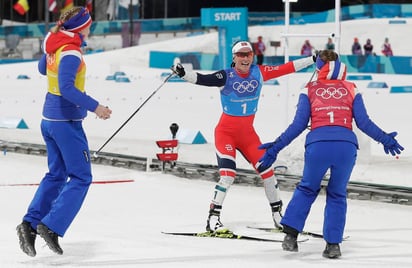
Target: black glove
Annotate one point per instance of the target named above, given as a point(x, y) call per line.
point(391, 145)
point(179, 70)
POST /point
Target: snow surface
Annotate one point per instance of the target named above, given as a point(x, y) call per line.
point(120, 224)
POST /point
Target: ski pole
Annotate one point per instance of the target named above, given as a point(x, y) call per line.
point(133, 114)
point(310, 80)
point(313, 74)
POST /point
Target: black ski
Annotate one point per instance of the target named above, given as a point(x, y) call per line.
point(229, 235)
point(276, 230)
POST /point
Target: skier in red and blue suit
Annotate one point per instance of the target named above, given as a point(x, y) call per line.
point(329, 103)
point(240, 88)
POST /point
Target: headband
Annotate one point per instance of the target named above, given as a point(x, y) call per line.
point(78, 22)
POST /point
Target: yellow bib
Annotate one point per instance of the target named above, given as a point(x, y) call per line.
point(53, 61)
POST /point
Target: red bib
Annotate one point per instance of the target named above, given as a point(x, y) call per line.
point(331, 103)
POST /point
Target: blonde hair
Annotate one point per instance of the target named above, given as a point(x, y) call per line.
point(65, 17)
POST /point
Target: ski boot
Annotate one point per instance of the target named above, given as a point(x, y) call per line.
point(27, 238)
point(277, 213)
point(51, 238)
point(332, 251)
point(290, 241)
point(213, 223)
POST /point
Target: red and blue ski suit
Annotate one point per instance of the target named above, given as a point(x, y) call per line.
point(239, 95)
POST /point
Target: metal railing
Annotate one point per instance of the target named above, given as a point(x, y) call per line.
point(356, 190)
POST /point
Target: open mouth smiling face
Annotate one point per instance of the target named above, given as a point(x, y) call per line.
point(242, 56)
point(243, 60)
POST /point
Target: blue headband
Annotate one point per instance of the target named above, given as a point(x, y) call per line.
point(320, 63)
point(78, 22)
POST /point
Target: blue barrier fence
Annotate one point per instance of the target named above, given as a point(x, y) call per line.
point(37, 30)
point(401, 89)
point(200, 61)
point(355, 64)
point(356, 12)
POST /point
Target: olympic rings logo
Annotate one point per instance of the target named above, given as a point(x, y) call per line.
point(331, 92)
point(244, 86)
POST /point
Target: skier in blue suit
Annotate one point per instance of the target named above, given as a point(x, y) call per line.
point(330, 103)
point(63, 189)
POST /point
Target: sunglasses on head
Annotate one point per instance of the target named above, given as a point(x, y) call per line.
point(244, 54)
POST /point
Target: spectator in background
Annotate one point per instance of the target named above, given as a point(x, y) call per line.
point(259, 50)
point(330, 45)
point(306, 49)
point(356, 47)
point(119, 9)
point(100, 10)
point(368, 48)
point(386, 48)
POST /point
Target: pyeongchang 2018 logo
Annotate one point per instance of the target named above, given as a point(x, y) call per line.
point(245, 87)
point(331, 92)
point(51, 59)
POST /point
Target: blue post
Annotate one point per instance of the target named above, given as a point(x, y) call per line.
point(232, 25)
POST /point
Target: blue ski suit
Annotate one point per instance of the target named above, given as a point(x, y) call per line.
point(63, 189)
point(329, 104)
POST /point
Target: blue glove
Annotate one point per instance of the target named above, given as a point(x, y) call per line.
point(391, 145)
point(315, 57)
point(267, 160)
